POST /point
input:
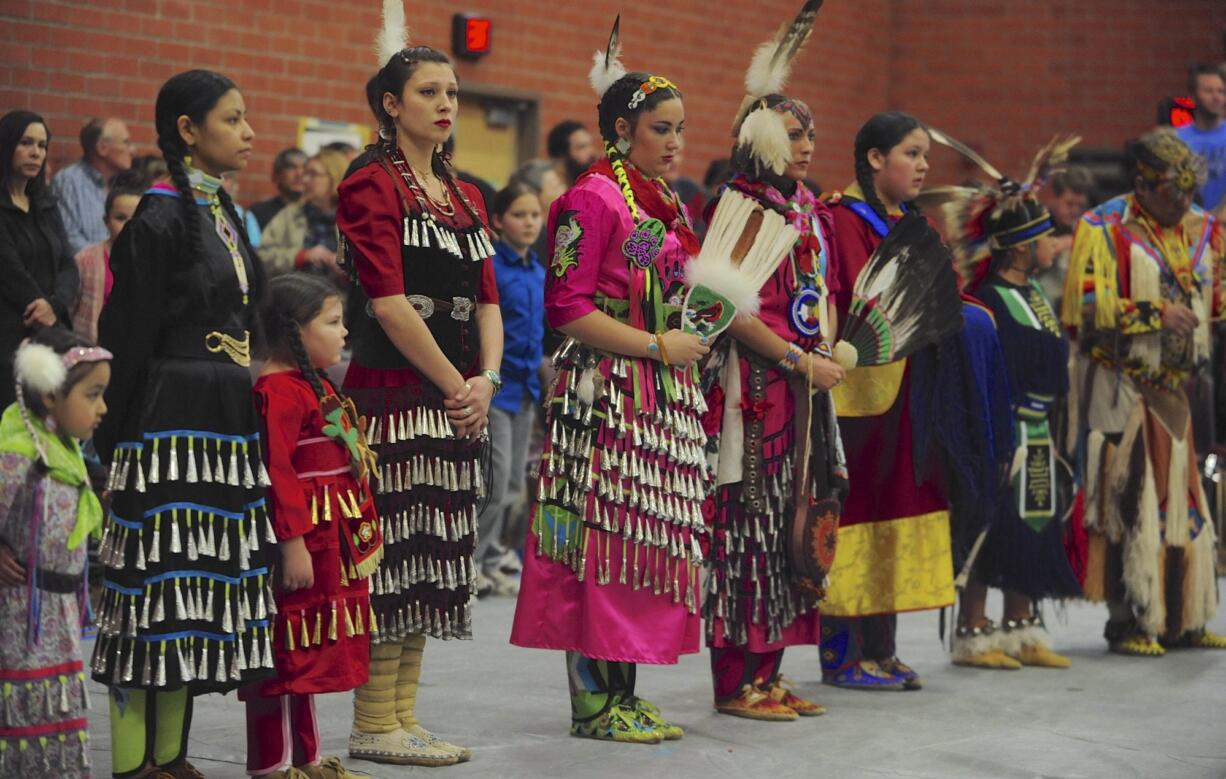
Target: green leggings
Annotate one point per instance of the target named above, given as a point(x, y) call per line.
point(148, 727)
point(597, 685)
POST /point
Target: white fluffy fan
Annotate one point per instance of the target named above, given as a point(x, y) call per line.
point(745, 244)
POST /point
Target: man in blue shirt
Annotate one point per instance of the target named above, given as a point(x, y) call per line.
point(516, 214)
point(80, 189)
point(1207, 134)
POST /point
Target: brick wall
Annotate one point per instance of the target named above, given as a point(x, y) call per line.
point(1097, 66)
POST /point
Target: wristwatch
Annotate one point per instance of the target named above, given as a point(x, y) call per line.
point(494, 378)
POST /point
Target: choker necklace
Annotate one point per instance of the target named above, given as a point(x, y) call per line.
point(203, 182)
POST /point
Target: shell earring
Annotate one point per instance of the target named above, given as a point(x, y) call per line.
point(622, 146)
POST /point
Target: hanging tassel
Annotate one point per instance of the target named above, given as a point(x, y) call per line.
point(264, 480)
point(193, 552)
point(175, 546)
point(248, 477)
point(172, 472)
point(219, 467)
point(180, 609)
point(306, 636)
point(140, 471)
point(232, 478)
point(206, 467)
point(159, 607)
point(348, 621)
point(191, 461)
point(154, 469)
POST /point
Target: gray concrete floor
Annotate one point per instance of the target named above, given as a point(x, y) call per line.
point(1108, 716)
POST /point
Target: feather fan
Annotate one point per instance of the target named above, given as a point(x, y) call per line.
point(723, 282)
point(393, 36)
point(905, 298)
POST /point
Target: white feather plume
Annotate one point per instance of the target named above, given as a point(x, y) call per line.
point(39, 367)
point(765, 135)
point(762, 79)
point(603, 77)
point(394, 35)
point(714, 267)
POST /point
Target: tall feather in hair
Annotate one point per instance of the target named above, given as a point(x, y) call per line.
point(393, 36)
point(757, 127)
point(904, 299)
point(607, 66)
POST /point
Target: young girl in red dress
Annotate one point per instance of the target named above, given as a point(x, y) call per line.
point(326, 527)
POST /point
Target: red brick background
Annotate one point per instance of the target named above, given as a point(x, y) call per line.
point(1003, 76)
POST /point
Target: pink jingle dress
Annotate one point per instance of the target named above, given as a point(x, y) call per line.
point(611, 565)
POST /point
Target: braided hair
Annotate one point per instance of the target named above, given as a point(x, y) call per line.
point(882, 132)
point(193, 94)
point(391, 78)
point(293, 300)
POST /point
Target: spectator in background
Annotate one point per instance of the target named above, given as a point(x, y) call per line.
point(303, 236)
point(571, 148)
point(517, 217)
point(94, 261)
point(1207, 134)
point(151, 169)
point(287, 174)
point(350, 151)
point(1067, 196)
point(81, 187)
point(39, 276)
point(254, 233)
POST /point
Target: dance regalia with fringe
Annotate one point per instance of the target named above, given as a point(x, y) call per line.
point(1024, 550)
point(43, 728)
point(186, 597)
point(753, 600)
point(1150, 532)
point(894, 551)
point(611, 566)
point(431, 480)
point(321, 634)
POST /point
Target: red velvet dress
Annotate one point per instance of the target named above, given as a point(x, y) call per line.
point(321, 637)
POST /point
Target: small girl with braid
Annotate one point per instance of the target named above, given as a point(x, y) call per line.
point(326, 528)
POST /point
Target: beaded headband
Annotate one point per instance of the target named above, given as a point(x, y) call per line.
point(647, 87)
point(80, 354)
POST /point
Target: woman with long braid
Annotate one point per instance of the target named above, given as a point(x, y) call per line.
point(427, 345)
point(186, 599)
point(893, 539)
point(610, 574)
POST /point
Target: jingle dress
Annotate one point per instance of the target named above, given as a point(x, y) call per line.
point(611, 564)
point(426, 498)
point(186, 596)
point(321, 637)
point(755, 604)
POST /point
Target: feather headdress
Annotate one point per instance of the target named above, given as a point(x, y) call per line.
point(758, 128)
point(982, 218)
point(393, 36)
point(607, 66)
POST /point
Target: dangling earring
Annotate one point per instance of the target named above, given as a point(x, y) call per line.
point(187, 160)
point(50, 424)
point(622, 146)
point(385, 133)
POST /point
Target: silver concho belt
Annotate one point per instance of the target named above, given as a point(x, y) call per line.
point(461, 308)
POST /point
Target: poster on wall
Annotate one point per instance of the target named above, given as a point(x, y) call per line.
point(314, 134)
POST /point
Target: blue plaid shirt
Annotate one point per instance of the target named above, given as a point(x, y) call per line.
point(81, 193)
point(521, 296)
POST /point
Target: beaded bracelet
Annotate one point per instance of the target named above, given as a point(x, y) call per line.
point(791, 359)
